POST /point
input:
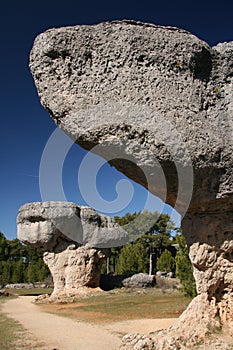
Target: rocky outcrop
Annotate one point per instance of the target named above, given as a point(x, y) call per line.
point(157, 103)
point(74, 240)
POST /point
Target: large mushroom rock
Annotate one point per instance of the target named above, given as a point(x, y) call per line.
point(74, 240)
point(157, 103)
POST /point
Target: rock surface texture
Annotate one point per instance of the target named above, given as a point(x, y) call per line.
point(157, 103)
point(74, 240)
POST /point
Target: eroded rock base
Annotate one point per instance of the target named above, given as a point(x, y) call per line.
point(211, 312)
point(213, 271)
point(73, 268)
point(161, 342)
point(68, 297)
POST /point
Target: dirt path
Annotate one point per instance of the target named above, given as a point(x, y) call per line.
point(62, 333)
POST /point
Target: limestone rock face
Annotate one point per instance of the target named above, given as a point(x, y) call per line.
point(125, 84)
point(74, 240)
point(157, 103)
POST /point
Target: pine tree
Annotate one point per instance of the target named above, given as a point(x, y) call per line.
point(152, 230)
point(166, 262)
point(18, 271)
point(184, 268)
point(20, 262)
point(4, 252)
point(133, 258)
point(32, 272)
point(6, 273)
point(43, 271)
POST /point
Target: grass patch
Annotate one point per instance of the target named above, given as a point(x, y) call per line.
point(30, 291)
point(9, 330)
point(123, 305)
point(14, 336)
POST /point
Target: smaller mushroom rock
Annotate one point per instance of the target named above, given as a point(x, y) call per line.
point(74, 240)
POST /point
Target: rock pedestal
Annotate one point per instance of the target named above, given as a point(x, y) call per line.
point(74, 268)
point(74, 240)
point(212, 259)
point(157, 103)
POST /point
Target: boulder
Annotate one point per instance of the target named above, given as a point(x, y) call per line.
point(74, 240)
point(165, 274)
point(139, 280)
point(155, 102)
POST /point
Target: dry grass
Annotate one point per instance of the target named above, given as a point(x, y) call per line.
point(31, 291)
point(120, 305)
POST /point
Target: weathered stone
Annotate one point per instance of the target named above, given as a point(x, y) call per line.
point(69, 235)
point(139, 280)
point(44, 223)
point(74, 268)
point(157, 103)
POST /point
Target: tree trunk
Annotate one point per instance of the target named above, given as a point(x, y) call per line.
point(108, 265)
point(151, 264)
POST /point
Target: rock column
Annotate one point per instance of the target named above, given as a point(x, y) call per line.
point(212, 259)
point(74, 268)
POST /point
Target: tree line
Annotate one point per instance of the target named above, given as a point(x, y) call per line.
point(155, 245)
point(20, 263)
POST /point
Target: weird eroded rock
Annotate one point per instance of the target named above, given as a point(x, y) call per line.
point(157, 103)
point(74, 240)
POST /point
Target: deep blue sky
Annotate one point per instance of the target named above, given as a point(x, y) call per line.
point(26, 127)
